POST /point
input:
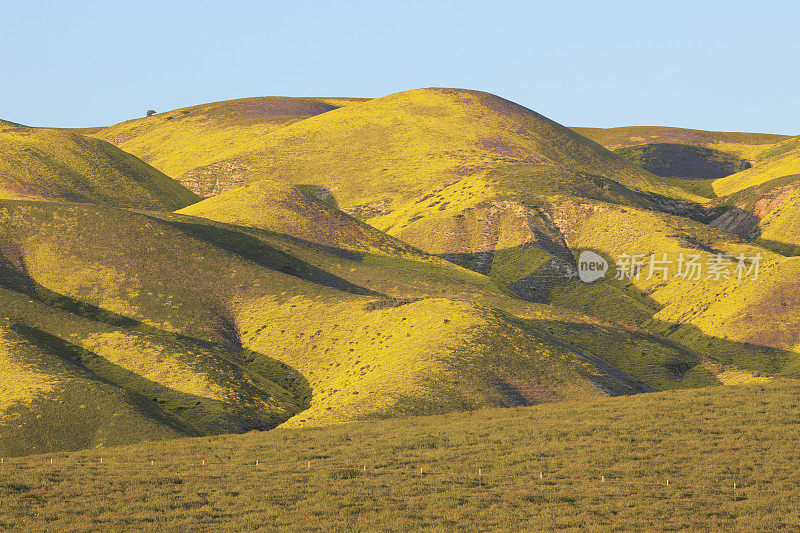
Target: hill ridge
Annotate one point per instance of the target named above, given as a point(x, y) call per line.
point(49, 164)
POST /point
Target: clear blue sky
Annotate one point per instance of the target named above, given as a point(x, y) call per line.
point(725, 65)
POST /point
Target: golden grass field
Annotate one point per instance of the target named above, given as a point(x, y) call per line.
point(702, 459)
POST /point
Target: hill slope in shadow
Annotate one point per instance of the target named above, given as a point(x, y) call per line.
point(42, 163)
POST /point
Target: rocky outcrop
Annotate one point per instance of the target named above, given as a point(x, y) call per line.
point(736, 221)
point(215, 178)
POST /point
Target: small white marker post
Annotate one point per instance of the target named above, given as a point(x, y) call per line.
point(151, 462)
point(204, 462)
point(308, 464)
point(420, 470)
point(480, 472)
point(51, 460)
point(541, 476)
point(603, 478)
point(365, 468)
point(101, 460)
point(256, 462)
point(667, 482)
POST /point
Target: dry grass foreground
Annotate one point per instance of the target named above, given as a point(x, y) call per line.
point(705, 459)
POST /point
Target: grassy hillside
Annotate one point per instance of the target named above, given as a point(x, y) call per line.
point(203, 328)
point(485, 223)
point(782, 159)
point(367, 154)
point(747, 207)
point(517, 208)
point(780, 229)
point(497, 222)
point(193, 144)
point(709, 459)
point(527, 241)
point(40, 163)
point(131, 382)
point(458, 173)
point(705, 314)
point(509, 265)
point(400, 146)
point(749, 146)
point(291, 210)
point(49, 403)
point(450, 285)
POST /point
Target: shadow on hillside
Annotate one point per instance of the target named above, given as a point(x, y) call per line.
point(187, 413)
point(174, 218)
point(14, 277)
point(683, 160)
point(779, 247)
point(754, 357)
point(262, 254)
point(735, 220)
point(77, 357)
point(534, 287)
point(686, 340)
point(323, 194)
point(480, 262)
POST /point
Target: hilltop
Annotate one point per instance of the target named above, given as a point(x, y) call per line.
point(404, 144)
point(397, 146)
point(49, 164)
point(739, 144)
point(187, 143)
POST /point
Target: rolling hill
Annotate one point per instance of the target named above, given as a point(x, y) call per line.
point(782, 159)
point(404, 144)
point(177, 325)
point(291, 210)
point(396, 146)
point(515, 208)
point(749, 146)
point(360, 260)
point(187, 143)
point(431, 166)
point(49, 164)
